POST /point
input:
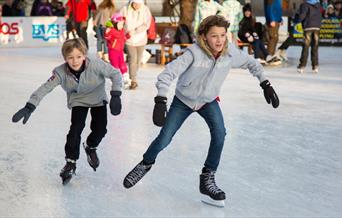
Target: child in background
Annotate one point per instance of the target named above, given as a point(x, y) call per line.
point(202, 69)
point(116, 38)
point(83, 79)
point(106, 9)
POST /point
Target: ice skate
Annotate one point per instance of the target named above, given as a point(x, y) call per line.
point(273, 60)
point(67, 171)
point(126, 80)
point(136, 174)
point(211, 194)
point(315, 69)
point(92, 158)
point(300, 70)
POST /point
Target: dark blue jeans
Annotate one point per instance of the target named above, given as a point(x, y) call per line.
point(259, 49)
point(177, 114)
point(101, 43)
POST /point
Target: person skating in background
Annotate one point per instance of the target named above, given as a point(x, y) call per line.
point(83, 79)
point(105, 11)
point(273, 15)
point(201, 69)
point(248, 33)
point(138, 19)
point(116, 37)
point(310, 16)
point(206, 8)
point(80, 14)
point(233, 13)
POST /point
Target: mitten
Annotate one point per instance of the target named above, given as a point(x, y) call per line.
point(159, 111)
point(25, 113)
point(115, 103)
point(270, 94)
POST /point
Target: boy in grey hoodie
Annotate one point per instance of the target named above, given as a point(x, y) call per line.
point(83, 79)
point(202, 70)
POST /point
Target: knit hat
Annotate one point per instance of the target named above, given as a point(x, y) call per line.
point(247, 7)
point(117, 17)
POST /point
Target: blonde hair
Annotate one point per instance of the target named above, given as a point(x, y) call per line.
point(69, 45)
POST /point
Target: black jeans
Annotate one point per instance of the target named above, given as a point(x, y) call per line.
point(81, 29)
point(98, 129)
point(311, 38)
point(286, 44)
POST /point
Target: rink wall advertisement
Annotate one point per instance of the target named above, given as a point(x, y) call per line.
point(330, 32)
point(32, 31)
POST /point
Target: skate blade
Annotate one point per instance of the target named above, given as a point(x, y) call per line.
point(65, 181)
point(207, 200)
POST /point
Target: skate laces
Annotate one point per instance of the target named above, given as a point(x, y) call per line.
point(210, 183)
point(137, 173)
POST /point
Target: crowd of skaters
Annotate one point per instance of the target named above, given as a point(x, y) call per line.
point(243, 26)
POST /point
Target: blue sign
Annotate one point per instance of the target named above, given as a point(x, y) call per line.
point(47, 32)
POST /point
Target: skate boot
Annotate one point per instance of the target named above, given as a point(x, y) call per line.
point(67, 171)
point(92, 158)
point(211, 194)
point(126, 80)
point(136, 174)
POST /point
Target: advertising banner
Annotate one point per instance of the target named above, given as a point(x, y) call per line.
point(330, 32)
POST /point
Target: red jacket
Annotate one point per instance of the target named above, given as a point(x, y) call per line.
point(116, 38)
point(79, 9)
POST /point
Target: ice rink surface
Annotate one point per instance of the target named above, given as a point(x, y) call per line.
point(284, 162)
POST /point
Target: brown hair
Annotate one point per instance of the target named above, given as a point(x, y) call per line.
point(69, 45)
point(213, 20)
point(107, 4)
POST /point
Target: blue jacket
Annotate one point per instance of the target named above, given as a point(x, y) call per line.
point(309, 15)
point(201, 76)
point(273, 11)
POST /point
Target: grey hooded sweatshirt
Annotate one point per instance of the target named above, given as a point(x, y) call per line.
point(88, 91)
point(201, 76)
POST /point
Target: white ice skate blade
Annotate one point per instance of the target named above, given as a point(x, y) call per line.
point(208, 200)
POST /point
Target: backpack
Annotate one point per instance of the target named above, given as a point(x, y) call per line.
point(183, 35)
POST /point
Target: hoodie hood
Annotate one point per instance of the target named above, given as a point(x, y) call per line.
point(312, 2)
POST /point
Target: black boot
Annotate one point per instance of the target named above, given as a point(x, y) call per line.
point(211, 194)
point(67, 171)
point(136, 174)
point(92, 158)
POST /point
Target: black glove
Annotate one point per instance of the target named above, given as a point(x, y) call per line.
point(115, 102)
point(24, 112)
point(269, 93)
point(159, 111)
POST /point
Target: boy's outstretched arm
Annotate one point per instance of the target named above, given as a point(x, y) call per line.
point(36, 97)
point(245, 61)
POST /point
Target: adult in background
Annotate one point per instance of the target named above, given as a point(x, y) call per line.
point(233, 13)
point(80, 14)
point(138, 19)
point(205, 8)
point(273, 15)
point(309, 15)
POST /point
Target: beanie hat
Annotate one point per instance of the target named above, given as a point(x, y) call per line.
point(247, 7)
point(117, 17)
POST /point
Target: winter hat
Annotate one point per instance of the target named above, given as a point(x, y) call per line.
point(330, 6)
point(247, 7)
point(117, 17)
